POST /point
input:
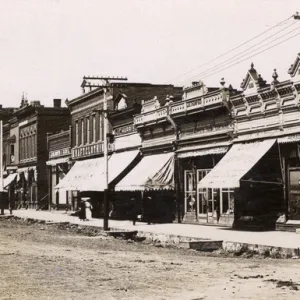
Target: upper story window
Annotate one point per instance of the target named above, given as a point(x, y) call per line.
point(12, 153)
point(122, 104)
point(94, 128)
point(82, 132)
point(88, 130)
point(76, 133)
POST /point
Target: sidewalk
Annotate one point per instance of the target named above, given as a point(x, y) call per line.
point(267, 238)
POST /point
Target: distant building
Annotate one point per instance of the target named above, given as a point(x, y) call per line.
point(26, 149)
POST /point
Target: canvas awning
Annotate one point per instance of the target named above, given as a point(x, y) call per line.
point(57, 161)
point(88, 175)
point(9, 179)
point(154, 172)
point(235, 164)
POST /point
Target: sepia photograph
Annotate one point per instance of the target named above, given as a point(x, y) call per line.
point(150, 149)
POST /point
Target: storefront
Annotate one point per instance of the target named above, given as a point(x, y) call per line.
point(26, 187)
point(196, 162)
point(86, 177)
point(232, 190)
point(57, 170)
point(151, 183)
point(290, 149)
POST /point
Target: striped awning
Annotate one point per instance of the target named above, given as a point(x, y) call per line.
point(9, 179)
point(153, 172)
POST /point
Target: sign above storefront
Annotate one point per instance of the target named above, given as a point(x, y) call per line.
point(60, 152)
point(124, 130)
point(90, 150)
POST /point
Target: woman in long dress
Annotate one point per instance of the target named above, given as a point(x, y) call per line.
point(88, 210)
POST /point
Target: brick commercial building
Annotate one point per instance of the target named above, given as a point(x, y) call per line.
point(27, 150)
point(124, 100)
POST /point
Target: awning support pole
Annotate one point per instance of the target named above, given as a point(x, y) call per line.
point(177, 171)
point(177, 187)
point(282, 168)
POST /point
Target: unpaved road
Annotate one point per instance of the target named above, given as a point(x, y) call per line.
point(44, 262)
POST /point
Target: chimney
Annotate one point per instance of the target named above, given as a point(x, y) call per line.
point(57, 103)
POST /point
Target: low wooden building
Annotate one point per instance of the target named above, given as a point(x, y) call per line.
point(59, 164)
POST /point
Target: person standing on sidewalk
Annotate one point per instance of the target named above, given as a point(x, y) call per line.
point(81, 210)
point(134, 210)
point(88, 210)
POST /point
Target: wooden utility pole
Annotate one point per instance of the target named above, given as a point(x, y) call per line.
point(1, 169)
point(105, 84)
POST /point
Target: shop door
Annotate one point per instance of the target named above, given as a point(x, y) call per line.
point(202, 196)
point(189, 192)
point(294, 193)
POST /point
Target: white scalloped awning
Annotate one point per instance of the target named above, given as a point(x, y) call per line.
point(88, 174)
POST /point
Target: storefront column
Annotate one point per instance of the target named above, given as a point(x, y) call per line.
point(177, 187)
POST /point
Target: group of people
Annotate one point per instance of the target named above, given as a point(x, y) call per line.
point(85, 209)
point(136, 212)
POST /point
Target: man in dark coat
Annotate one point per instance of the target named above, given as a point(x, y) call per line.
point(147, 209)
point(134, 210)
point(82, 211)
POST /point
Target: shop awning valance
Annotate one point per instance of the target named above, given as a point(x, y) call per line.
point(235, 164)
point(202, 152)
point(289, 139)
point(153, 172)
point(26, 169)
point(9, 179)
point(88, 175)
point(57, 161)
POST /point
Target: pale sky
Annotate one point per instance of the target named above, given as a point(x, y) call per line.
point(47, 46)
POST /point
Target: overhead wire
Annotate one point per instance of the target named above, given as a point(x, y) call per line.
point(236, 58)
point(233, 49)
point(252, 55)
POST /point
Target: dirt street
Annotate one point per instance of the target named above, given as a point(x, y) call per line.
point(45, 262)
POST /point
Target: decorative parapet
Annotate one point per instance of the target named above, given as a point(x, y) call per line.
point(151, 116)
point(28, 160)
point(181, 107)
